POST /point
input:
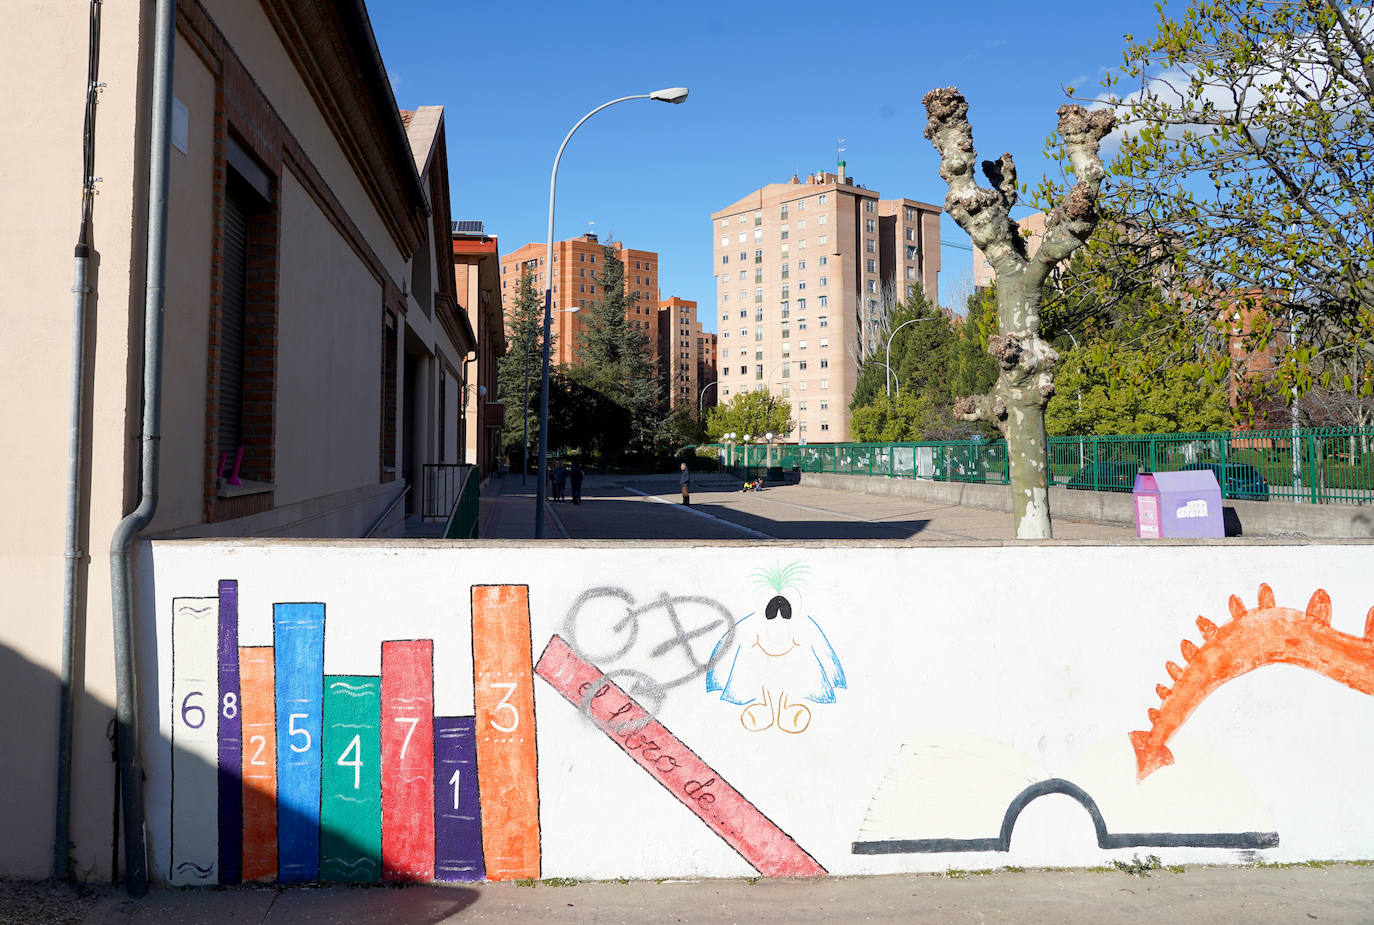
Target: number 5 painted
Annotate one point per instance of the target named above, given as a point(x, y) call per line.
point(505, 704)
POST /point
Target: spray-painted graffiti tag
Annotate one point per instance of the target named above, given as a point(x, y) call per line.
point(608, 618)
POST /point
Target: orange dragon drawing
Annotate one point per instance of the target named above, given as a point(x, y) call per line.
point(1267, 635)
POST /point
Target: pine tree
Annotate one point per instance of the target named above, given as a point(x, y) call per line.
point(517, 372)
point(613, 360)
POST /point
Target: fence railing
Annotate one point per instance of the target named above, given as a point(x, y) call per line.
point(441, 485)
point(1316, 465)
point(462, 519)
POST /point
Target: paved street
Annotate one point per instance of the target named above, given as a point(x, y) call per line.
point(648, 507)
point(1339, 894)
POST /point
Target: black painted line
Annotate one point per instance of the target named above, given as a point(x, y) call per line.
point(1105, 839)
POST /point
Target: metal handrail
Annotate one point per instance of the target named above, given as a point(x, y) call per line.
point(387, 513)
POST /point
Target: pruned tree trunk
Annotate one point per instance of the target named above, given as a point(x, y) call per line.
point(1025, 382)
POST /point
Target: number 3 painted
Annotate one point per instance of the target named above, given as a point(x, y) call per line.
point(505, 704)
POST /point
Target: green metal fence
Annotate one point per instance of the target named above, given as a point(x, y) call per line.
point(1317, 465)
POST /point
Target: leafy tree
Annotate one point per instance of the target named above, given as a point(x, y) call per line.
point(922, 354)
point(975, 371)
point(518, 370)
point(1026, 375)
point(613, 360)
point(754, 412)
point(1105, 389)
point(1247, 166)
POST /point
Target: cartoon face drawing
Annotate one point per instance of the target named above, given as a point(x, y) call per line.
point(779, 657)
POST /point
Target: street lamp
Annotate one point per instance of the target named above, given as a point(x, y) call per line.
point(701, 409)
point(525, 418)
point(889, 345)
point(667, 95)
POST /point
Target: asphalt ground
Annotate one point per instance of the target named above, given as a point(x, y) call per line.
point(649, 507)
point(1335, 894)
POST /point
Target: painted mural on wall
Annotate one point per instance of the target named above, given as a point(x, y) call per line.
point(776, 658)
point(1266, 635)
point(531, 729)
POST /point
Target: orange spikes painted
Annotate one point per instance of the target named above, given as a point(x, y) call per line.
point(1188, 649)
point(1174, 670)
point(1153, 714)
point(1266, 596)
point(1319, 608)
point(1236, 607)
point(1162, 691)
point(1369, 624)
point(1206, 627)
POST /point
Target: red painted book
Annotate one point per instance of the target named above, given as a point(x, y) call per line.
point(408, 760)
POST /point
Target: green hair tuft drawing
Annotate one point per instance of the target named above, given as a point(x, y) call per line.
point(779, 577)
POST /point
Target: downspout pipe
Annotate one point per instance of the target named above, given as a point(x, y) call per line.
point(75, 555)
point(121, 577)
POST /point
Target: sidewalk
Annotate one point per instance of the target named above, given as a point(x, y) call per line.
point(631, 507)
point(1335, 893)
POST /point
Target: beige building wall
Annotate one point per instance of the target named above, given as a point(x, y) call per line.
point(799, 296)
point(327, 435)
point(330, 311)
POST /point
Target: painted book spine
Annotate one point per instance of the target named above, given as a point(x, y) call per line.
point(195, 751)
point(257, 689)
point(457, 806)
point(230, 738)
point(408, 760)
point(298, 630)
point(507, 762)
point(351, 785)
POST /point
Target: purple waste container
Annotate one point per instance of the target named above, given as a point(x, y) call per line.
point(1178, 504)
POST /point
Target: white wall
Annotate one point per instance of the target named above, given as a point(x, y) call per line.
point(971, 674)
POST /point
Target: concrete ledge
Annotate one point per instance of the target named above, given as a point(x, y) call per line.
point(1244, 518)
point(342, 514)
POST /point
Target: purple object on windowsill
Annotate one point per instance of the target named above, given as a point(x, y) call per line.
point(234, 476)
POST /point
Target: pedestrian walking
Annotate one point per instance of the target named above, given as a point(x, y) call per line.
point(560, 480)
point(685, 480)
point(575, 474)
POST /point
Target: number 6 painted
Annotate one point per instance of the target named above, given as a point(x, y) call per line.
point(509, 687)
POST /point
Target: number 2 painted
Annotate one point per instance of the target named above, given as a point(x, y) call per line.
point(505, 704)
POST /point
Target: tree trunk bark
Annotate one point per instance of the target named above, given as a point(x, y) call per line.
point(1023, 389)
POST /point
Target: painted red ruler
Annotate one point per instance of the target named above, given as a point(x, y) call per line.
point(670, 762)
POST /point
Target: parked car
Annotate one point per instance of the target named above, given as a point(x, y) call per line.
point(1110, 475)
point(1242, 481)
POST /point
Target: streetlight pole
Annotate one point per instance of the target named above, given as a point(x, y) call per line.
point(702, 397)
point(525, 419)
point(668, 95)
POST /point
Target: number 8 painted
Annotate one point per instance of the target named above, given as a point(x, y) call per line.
point(231, 705)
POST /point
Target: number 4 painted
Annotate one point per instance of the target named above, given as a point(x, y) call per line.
point(505, 704)
point(356, 764)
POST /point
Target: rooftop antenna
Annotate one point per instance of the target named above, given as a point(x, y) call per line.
point(839, 149)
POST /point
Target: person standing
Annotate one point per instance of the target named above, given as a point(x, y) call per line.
point(576, 475)
point(685, 480)
point(560, 479)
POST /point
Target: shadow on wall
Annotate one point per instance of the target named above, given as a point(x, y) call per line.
point(226, 857)
point(28, 798)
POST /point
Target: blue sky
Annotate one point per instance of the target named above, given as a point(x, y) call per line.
point(769, 98)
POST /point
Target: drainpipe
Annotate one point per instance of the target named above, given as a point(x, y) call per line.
point(121, 578)
point(76, 556)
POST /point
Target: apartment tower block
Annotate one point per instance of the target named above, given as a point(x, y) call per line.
point(578, 265)
point(806, 275)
